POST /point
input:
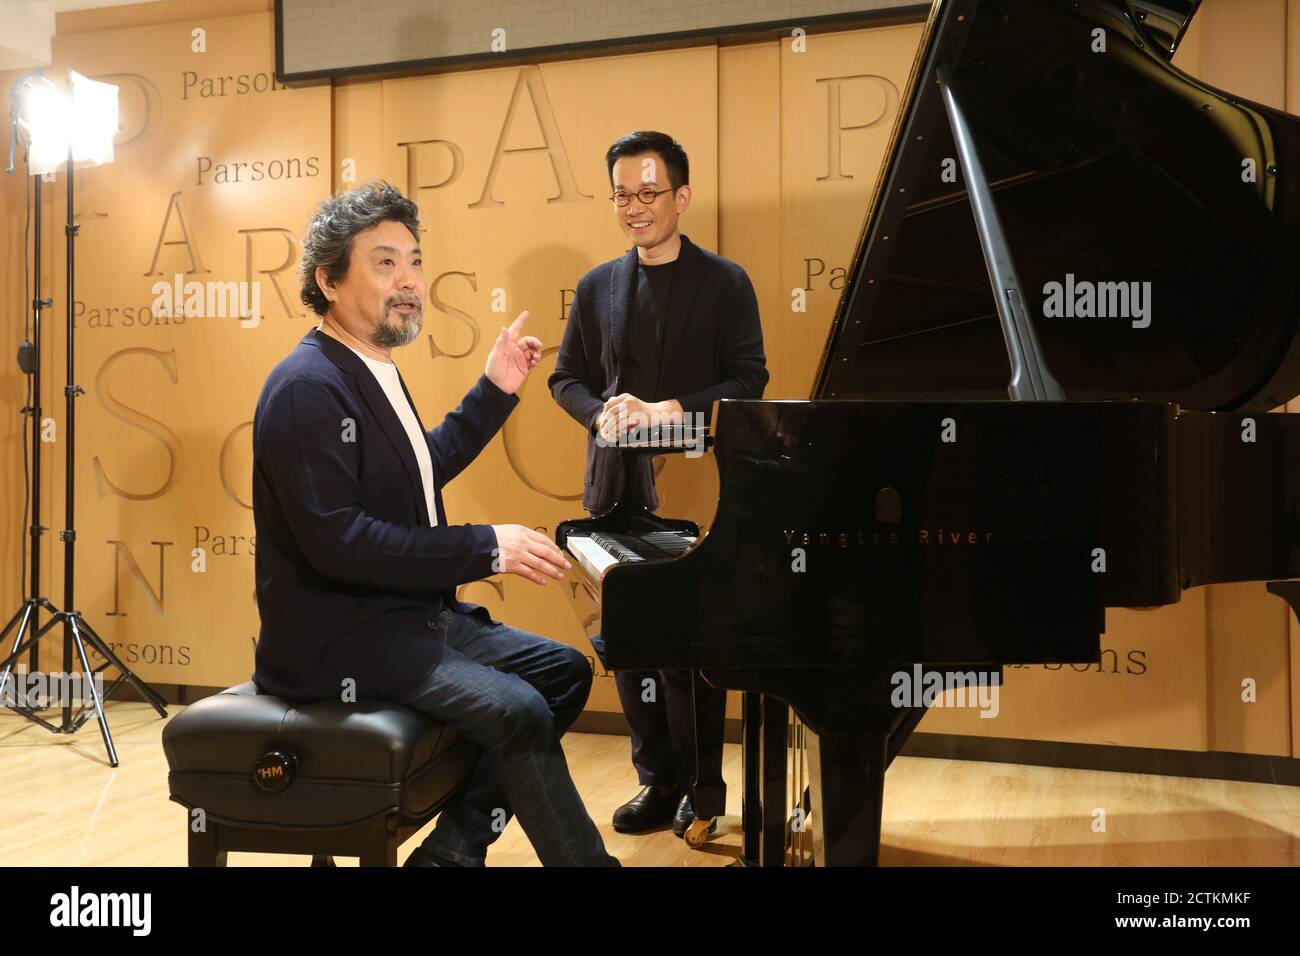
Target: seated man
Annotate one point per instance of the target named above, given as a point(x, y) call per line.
point(357, 566)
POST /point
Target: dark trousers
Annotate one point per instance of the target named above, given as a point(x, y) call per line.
point(663, 740)
point(514, 694)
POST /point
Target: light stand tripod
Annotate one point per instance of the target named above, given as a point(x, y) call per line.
point(27, 617)
point(77, 632)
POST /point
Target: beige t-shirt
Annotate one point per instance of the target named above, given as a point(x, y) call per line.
point(386, 375)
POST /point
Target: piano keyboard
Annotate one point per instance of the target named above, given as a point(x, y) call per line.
point(601, 550)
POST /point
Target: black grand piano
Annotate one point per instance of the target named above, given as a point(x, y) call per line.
point(1048, 390)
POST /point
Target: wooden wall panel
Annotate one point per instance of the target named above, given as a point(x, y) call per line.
point(1148, 691)
point(1240, 46)
point(839, 101)
point(192, 12)
point(358, 133)
point(215, 173)
point(13, 384)
point(1249, 640)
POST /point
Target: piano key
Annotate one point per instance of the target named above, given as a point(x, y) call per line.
point(592, 558)
point(601, 550)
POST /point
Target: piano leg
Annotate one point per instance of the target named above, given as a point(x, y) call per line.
point(848, 776)
point(708, 789)
point(773, 757)
point(902, 730)
point(751, 810)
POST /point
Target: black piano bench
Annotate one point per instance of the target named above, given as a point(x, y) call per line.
point(260, 774)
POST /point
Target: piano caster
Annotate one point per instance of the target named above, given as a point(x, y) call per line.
point(698, 833)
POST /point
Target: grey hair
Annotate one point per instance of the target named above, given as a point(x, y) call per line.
point(328, 240)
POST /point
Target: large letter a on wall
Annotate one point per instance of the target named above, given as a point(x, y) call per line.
point(530, 79)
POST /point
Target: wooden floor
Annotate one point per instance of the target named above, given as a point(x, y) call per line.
point(62, 805)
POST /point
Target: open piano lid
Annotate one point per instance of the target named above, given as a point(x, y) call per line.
point(1106, 167)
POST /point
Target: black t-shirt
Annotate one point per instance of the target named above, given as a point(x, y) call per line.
point(644, 342)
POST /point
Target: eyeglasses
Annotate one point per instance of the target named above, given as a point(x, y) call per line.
point(647, 196)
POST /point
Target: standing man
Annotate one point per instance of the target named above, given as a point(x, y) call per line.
point(357, 566)
point(653, 337)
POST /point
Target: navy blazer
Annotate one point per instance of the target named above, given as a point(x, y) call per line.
point(350, 576)
point(713, 349)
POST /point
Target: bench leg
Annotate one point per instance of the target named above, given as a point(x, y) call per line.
point(383, 854)
point(203, 847)
point(380, 843)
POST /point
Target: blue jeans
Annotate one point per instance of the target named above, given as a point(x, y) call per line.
point(514, 694)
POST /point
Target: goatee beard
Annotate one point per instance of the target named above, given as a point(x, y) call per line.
point(396, 336)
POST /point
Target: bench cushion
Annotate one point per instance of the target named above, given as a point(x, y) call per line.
point(352, 761)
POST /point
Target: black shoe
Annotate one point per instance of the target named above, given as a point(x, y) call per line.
point(422, 857)
point(650, 809)
point(686, 816)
